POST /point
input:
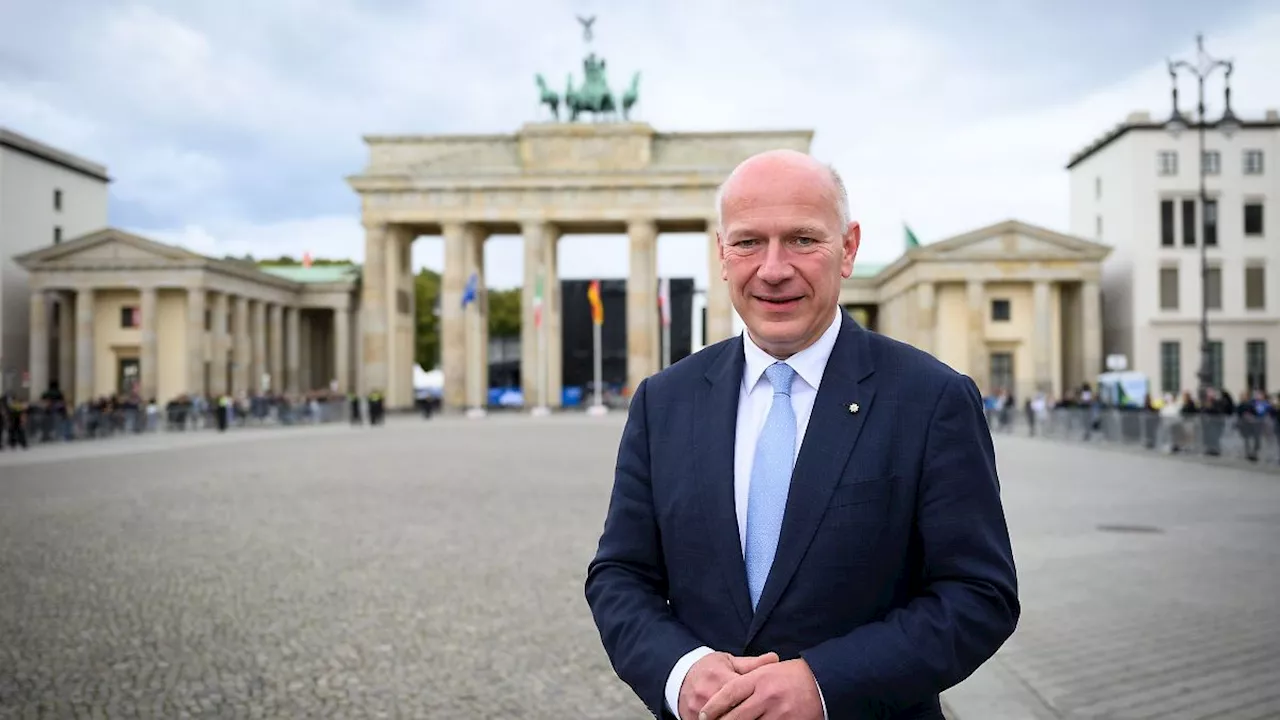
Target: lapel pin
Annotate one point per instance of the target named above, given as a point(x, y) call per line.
point(853, 408)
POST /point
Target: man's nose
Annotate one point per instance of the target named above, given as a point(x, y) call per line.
point(776, 266)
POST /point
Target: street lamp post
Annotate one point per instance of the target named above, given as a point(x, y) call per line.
point(1201, 70)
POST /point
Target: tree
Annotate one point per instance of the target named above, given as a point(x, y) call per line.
point(288, 260)
point(504, 316)
point(426, 288)
point(504, 313)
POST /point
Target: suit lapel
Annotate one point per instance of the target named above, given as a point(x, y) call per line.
point(714, 432)
point(829, 439)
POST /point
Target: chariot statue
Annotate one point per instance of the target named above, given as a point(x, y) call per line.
point(593, 95)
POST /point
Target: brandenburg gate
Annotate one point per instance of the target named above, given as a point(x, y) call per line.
point(547, 180)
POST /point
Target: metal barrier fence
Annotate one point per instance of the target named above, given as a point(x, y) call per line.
point(87, 423)
point(1239, 437)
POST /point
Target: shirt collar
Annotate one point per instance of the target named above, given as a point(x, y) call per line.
point(809, 363)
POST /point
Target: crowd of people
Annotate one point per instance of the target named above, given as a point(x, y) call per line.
point(52, 418)
point(1247, 425)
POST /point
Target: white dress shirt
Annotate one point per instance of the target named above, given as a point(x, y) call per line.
point(755, 397)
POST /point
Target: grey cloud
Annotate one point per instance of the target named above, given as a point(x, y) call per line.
point(236, 122)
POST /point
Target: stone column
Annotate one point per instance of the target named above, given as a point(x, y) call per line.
point(532, 361)
point(275, 346)
point(342, 348)
point(292, 342)
point(408, 314)
point(1041, 337)
point(926, 317)
point(977, 335)
point(240, 346)
point(1091, 330)
point(67, 345)
point(307, 358)
point(221, 343)
point(453, 330)
point(476, 325)
point(148, 354)
point(642, 302)
point(38, 345)
point(719, 303)
point(195, 340)
point(392, 246)
point(555, 324)
point(84, 345)
point(259, 364)
point(373, 308)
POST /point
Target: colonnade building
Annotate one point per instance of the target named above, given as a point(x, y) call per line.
point(112, 312)
point(1015, 306)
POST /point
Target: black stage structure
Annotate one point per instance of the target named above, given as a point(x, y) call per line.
point(578, 370)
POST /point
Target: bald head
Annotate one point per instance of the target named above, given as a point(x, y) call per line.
point(786, 167)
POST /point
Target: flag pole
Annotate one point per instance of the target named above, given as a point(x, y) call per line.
point(475, 369)
point(543, 390)
point(664, 317)
point(597, 406)
point(666, 344)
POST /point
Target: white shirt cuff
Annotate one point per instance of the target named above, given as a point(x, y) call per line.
point(676, 679)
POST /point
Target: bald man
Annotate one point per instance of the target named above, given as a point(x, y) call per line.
point(805, 519)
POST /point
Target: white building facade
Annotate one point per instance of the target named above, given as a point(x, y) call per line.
point(46, 195)
point(1136, 189)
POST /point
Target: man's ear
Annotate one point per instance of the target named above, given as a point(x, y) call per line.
point(849, 247)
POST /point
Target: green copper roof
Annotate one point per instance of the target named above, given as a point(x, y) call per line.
point(866, 270)
point(313, 274)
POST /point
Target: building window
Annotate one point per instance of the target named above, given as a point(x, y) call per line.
point(1211, 223)
point(130, 317)
point(208, 320)
point(57, 199)
point(1002, 371)
point(1171, 367)
point(1212, 160)
point(1097, 187)
point(57, 234)
point(1255, 287)
point(1188, 222)
point(1169, 288)
point(1215, 364)
point(1255, 353)
point(1253, 218)
point(1252, 162)
point(1168, 162)
point(1166, 223)
point(1097, 230)
point(1213, 288)
point(1001, 310)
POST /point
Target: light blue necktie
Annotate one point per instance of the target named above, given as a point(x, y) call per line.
point(770, 480)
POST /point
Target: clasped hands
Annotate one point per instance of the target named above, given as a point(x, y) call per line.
point(721, 686)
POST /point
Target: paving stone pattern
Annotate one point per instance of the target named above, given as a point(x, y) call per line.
point(1171, 612)
point(434, 569)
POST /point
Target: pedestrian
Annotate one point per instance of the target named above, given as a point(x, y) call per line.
point(806, 515)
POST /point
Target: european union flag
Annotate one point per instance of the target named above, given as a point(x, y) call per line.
point(469, 292)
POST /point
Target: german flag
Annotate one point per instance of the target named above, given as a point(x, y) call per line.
point(597, 308)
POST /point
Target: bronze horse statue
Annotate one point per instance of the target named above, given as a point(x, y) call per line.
point(548, 96)
point(630, 96)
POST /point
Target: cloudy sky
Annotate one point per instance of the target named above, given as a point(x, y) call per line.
point(229, 126)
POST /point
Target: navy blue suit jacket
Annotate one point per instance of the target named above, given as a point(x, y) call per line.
point(893, 578)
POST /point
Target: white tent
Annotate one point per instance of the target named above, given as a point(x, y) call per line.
point(428, 380)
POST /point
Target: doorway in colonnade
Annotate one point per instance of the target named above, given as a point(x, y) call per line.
point(490, 307)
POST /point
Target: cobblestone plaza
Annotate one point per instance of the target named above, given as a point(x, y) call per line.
point(435, 569)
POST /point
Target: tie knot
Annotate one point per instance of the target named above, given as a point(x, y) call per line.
point(780, 376)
